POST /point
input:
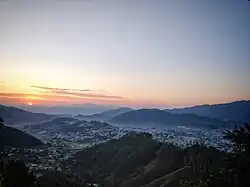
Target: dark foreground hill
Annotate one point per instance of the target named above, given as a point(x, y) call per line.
point(11, 137)
point(238, 111)
point(137, 160)
point(164, 118)
point(12, 115)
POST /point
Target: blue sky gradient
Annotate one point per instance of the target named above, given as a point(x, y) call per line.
point(171, 53)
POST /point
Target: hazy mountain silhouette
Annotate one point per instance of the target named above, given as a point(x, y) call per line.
point(84, 109)
point(238, 111)
point(15, 116)
point(106, 114)
point(55, 124)
point(161, 117)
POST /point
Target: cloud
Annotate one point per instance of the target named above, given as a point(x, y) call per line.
point(16, 95)
point(51, 98)
point(61, 89)
point(89, 95)
point(82, 93)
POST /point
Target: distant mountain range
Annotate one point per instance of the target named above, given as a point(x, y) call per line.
point(55, 125)
point(15, 116)
point(106, 115)
point(238, 111)
point(84, 109)
point(12, 137)
point(164, 118)
point(220, 115)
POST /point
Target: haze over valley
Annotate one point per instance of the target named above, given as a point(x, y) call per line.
point(84, 130)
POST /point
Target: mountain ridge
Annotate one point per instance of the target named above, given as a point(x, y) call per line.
point(85, 109)
point(162, 117)
point(236, 110)
point(106, 115)
point(15, 116)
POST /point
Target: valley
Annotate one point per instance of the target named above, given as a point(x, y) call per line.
point(81, 144)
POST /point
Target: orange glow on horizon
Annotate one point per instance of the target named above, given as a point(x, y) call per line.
point(46, 96)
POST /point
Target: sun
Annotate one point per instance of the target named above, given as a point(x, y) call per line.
point(30, 103)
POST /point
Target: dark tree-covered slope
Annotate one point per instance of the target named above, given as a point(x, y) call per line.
point(137, 160)
point(11, 137)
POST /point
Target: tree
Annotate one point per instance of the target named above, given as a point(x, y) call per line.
point(235, 170)
point(239, 158)
point(1, 127)
point(15, 174)
point(240, 139)
point(1, 123)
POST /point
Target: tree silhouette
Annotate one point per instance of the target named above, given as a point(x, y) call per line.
point(240, 139)
point(15, 174)
point(1, 128)
point(1, 123)
point(239, 159)
point(235, 171)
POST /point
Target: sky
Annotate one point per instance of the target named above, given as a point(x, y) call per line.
point(124, 52)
